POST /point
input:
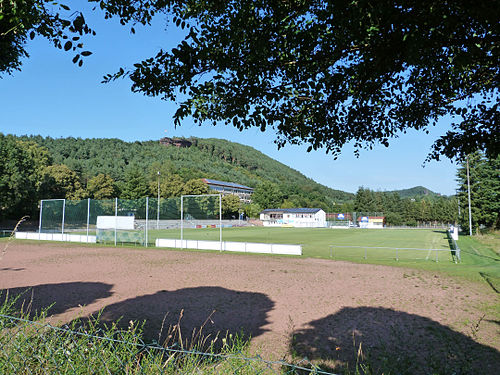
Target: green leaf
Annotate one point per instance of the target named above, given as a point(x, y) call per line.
point(68, 45)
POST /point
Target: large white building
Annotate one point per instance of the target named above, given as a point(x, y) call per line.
point(224, 188)
point(294, 217)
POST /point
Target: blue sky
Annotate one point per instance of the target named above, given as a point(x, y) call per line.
point(53, 97)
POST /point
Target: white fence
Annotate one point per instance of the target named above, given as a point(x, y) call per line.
point(244, 247)
point(55, 237)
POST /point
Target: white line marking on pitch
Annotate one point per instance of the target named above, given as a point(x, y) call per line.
point(477, 252)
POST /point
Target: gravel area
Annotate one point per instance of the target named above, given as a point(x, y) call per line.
point(321, 309)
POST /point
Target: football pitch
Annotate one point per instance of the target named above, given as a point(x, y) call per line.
point(479, 262)
point(349, 244)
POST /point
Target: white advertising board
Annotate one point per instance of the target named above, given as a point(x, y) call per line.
point(115, 222)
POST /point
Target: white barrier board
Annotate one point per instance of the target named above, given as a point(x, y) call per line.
point(55, 237)
point(115, 222)
point(244, 247)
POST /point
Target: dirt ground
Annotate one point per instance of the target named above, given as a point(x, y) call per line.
point(290, 307)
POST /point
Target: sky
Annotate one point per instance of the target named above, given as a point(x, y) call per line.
point(53, 97)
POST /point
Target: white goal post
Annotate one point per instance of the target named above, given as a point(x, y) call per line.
point(199, 196)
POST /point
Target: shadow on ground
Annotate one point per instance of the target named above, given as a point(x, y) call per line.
point(62, 297)
point(392, 342)
point(235, 312)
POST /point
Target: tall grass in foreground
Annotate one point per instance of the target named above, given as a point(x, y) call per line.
point(90, 347)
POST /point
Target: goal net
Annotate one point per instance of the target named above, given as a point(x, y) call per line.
point(201, 217)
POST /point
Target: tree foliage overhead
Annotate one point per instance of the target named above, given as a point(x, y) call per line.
point(21, 20)
point(326, 73)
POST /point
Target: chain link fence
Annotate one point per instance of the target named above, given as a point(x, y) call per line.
point(30, 347)
point(131, 221)
point(356, 219)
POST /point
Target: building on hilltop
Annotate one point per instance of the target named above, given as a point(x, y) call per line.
point(294, 217)
point(225, 188)
point(177, 142)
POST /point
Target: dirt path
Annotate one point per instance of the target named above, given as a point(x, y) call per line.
point(316, 307)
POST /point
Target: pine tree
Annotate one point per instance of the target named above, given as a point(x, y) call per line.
point(484, 192)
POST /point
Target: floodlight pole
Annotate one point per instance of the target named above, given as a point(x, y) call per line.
point(158, 210)
point(468, 193)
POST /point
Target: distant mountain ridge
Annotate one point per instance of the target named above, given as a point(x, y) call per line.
point(416, 192)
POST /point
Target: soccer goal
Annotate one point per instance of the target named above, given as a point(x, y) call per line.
point(203, 211)
point(116, 221)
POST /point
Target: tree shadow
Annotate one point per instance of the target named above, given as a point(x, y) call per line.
point(392, 342)
point(60, 297)
point(217, 310)
point(493, 282)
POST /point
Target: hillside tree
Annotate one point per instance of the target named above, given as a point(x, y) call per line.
point(101, 186)
point(22, 166)
point(171, 185)
point(135, 185)
point(195, 187)
point(484, 191)
point(267, 195)
point(63, 183)
point(231, 206)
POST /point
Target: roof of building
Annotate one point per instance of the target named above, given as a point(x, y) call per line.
point(227, 184)
point(292, 210)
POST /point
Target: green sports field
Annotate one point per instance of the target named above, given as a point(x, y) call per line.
point(480, 262)
point(317, 242)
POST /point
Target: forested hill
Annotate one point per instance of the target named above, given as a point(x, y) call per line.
point(416, 192)
point(206, 158)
